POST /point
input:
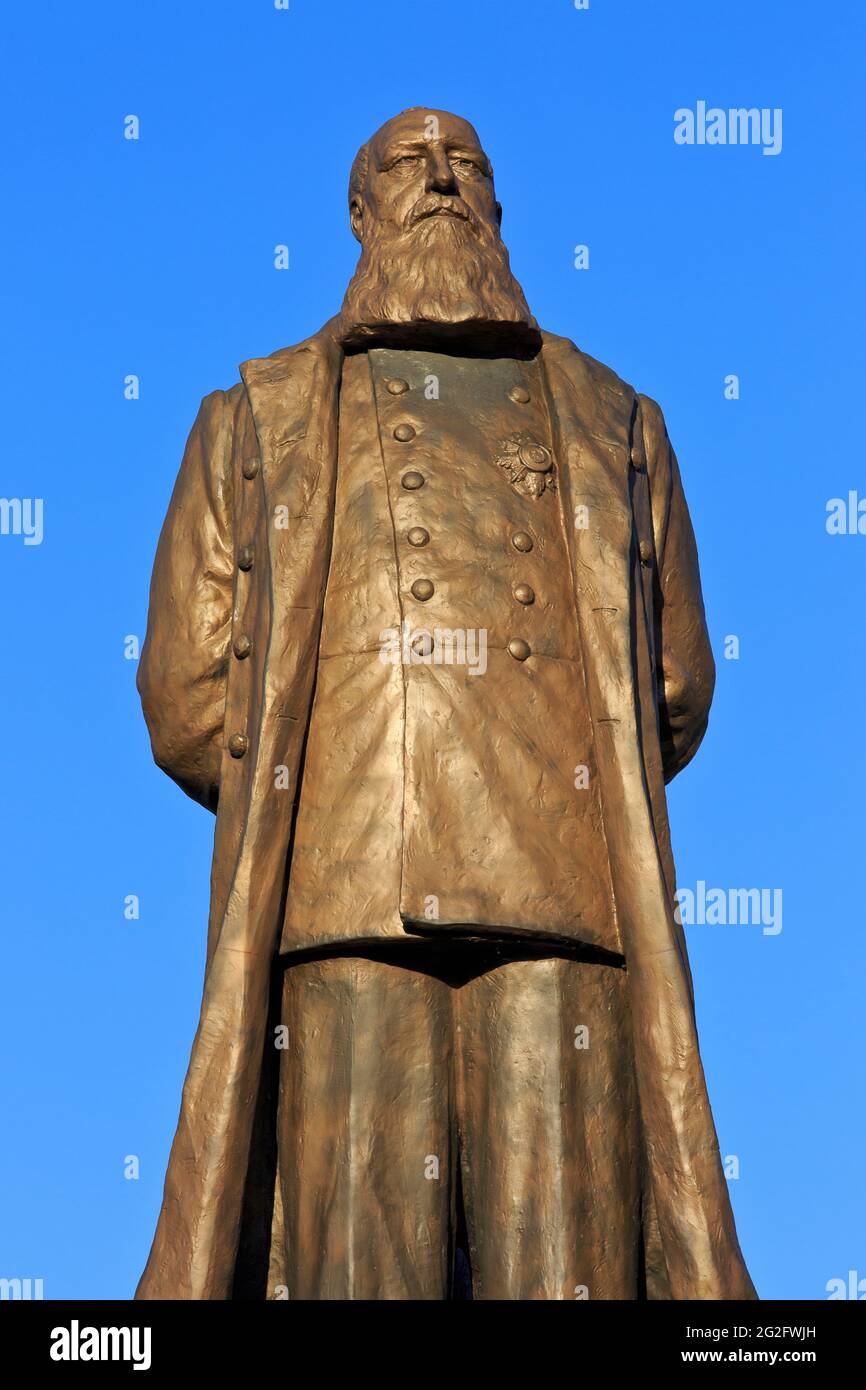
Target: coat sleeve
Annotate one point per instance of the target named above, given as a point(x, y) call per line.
point(184, 661)
point(685, 667)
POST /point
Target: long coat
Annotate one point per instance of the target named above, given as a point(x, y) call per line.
point(245, 549)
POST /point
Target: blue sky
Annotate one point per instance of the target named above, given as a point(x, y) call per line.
point(155, 257)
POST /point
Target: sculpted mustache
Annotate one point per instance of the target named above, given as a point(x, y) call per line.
point(432, 203)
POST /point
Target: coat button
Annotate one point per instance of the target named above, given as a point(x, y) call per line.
point(524, 593)
point(251, 467)
point(411, 481)
point(522, 541)
point(245, 557)
point(238, 745)
point(519, 395)
point(404, 432)
point(535, 457)
point(422, 645)
point(519, 649)
point(422, 589)
point(396, 386)
point(646, 553)
point(418, 535)
point(242, 646)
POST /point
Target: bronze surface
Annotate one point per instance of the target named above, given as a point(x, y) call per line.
point(427, 879)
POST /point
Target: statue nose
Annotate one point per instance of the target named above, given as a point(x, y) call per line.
point(440, 175)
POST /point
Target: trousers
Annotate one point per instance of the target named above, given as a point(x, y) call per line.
point(458, 1123)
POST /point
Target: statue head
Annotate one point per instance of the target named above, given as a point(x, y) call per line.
point(433, 264)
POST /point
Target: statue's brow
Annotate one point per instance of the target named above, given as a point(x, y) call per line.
point(420, 144)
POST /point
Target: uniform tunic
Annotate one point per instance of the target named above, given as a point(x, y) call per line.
point(449, 782)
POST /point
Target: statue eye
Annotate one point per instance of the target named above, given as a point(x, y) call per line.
point(403, 163)
point(465, 166)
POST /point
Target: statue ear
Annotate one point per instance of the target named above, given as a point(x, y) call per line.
point(356, 216)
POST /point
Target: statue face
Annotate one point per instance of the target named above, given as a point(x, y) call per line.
point(432, 261)
point(425, 164)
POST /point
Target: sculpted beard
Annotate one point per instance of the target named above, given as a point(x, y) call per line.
point(446, 270)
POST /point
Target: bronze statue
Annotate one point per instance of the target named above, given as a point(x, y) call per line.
point(426, 632)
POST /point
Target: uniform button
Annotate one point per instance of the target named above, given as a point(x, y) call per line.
point(422, 645)
point(404, 432)
point(242, 646)
point(535, 457)
point(418, 535)
point(646, 552)
point(412, 480)
point(396, 386)
point(524, 593)
point(251, 467)
point(519, 395)
point(519, 649)
point(238, 745)
point(423, 589)
point(522, 541)
point(245, 557)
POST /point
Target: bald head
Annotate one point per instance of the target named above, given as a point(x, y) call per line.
point(416, 151)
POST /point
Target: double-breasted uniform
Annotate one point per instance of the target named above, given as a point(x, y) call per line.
point(373, 784)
